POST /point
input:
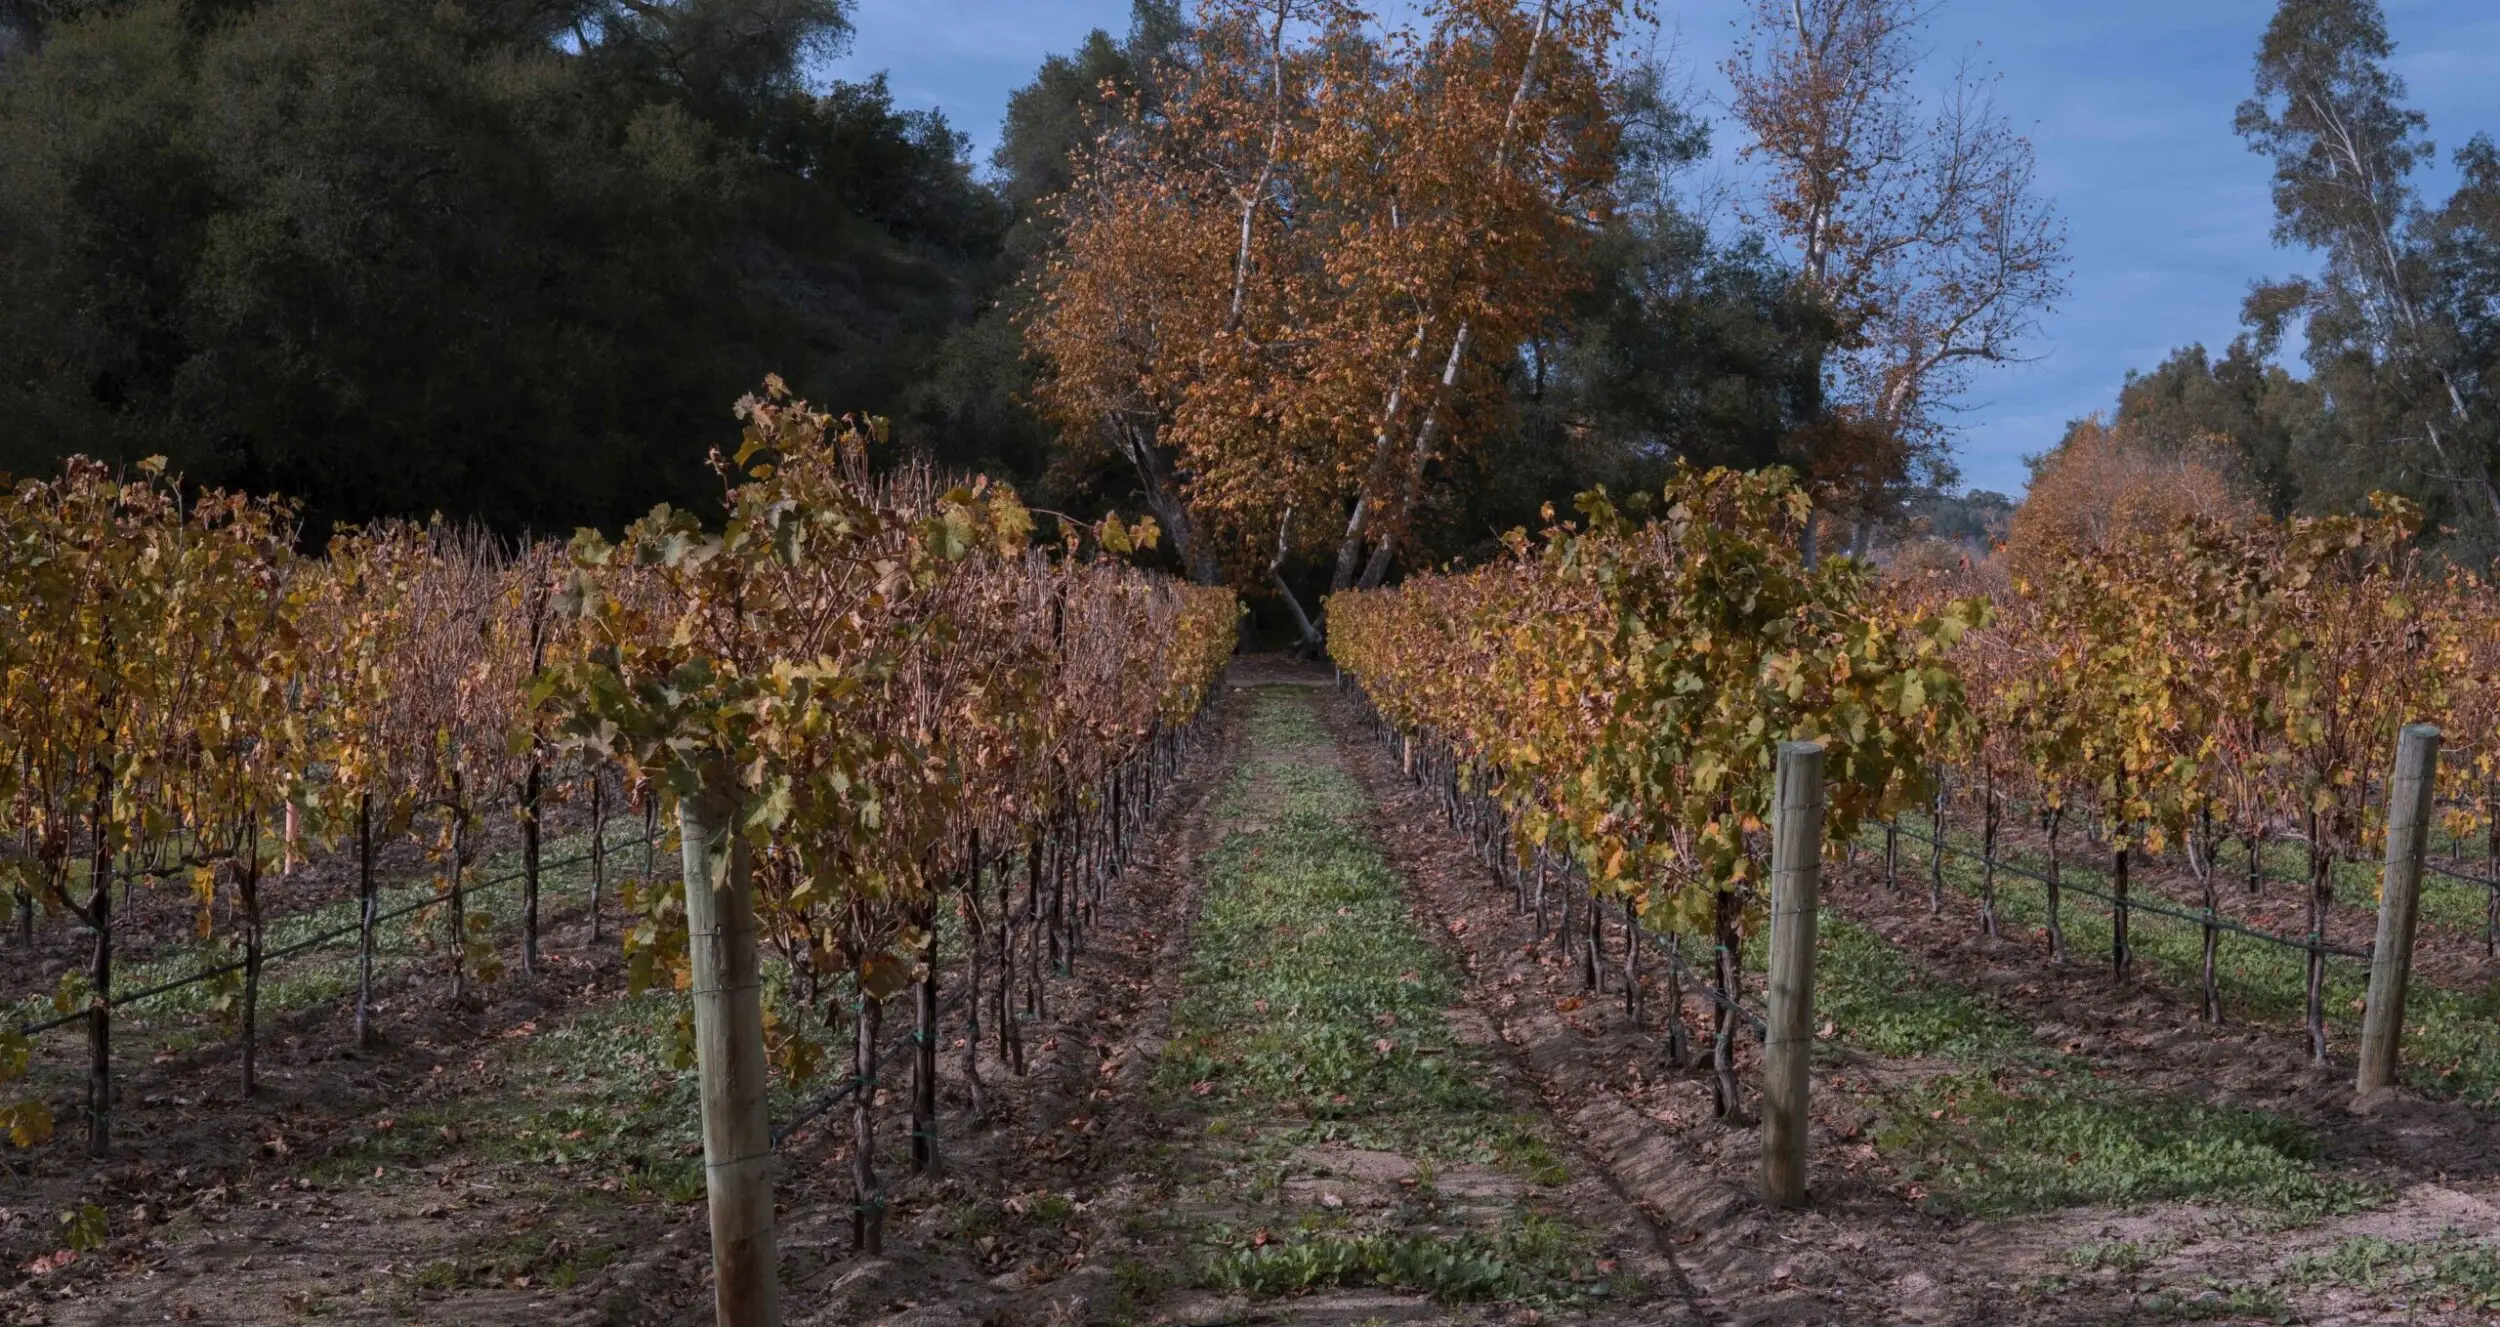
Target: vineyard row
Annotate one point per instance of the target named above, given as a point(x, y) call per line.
point(1617, 699)
point(842, 689)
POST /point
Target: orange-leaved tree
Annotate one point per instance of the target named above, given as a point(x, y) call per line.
point(1275, 294)
point(2104, 484)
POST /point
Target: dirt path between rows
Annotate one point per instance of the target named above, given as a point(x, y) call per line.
point(398, 1186)
point(1023, 1226)
point(342, 1188)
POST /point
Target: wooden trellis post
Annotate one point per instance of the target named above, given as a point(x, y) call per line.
point(729, 1052)
point(1796, 886)
point(2400, 894)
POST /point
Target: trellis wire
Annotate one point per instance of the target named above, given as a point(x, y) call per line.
point(1675, 956)
point(816, 1109)
point(2492, 886)
point(1674, 953)
point(2133, 904)
point(316, 941)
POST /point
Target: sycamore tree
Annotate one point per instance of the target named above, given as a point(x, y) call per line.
point(1467, 245)
point(1177, 276)
point(1914, 224)
point(1288, 288)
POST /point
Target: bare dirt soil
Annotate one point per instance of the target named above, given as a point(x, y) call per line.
point(345, 1185)
point(1979, 1154)
point(424, 1181)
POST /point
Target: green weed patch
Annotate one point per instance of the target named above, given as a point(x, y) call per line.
point(1995, 1147)
point(1879, 1002)
point(1311, 1018)
point(2452, 1267)
point(1308, 989)
point(1531, 1260)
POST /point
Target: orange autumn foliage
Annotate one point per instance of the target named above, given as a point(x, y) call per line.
point(2104, 485)
point(1277, 294)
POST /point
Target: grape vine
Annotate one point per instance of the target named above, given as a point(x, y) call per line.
point(893, 681)
point(1621, 685)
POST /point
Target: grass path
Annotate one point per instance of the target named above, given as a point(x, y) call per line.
point(1342, 1133)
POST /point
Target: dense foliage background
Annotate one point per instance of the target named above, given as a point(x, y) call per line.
point(509, 258)
point(504, 258)
point(512, 259)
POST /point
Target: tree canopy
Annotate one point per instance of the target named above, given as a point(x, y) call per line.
point(496, 257)
point(1407, 284)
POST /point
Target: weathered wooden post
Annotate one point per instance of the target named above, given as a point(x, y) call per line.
point(2400, 894)
point(1796, 862)
point(729, 1054)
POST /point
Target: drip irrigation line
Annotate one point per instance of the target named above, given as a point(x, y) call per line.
point(2133, 904)
point(326, 937)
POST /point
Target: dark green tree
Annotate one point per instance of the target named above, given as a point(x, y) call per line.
point(2463, 243)
point(502, 258)
point(735, 63)
point(2272, 425)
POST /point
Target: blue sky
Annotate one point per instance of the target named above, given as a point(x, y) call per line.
point(2128, 101)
